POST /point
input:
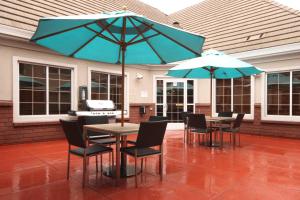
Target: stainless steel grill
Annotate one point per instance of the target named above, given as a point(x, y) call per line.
point(98, 108)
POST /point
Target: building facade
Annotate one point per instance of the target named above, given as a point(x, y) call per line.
point(39, 86)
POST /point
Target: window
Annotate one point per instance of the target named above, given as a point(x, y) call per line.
point(283, 93)
point(233, 95)
point(44, 90)
point(106, 86)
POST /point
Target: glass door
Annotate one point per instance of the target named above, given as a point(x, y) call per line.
point(174, 96)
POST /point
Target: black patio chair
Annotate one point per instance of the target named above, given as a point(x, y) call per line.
point(97, 137)
point(150, 136)
point(197, 125)
point(225, 114)
point(151, 119)
point(235, 128)
point(75, 138)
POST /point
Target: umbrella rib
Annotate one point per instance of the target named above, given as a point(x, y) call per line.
point(170, 38)
point(146, 39)
point(243, 74)
point(144, 30)
point(62, 31)
point(107, 29)
point(101, 35)
point(90, 40)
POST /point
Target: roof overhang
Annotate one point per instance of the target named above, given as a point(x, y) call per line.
point(268, 52)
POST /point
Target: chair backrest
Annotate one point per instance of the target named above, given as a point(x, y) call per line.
point(225, 114)
point(89, 120)
point(184, 116)
point(73, 133)
point(238, 120)
point(151, 134)
point(197, 121)
point(157, 118)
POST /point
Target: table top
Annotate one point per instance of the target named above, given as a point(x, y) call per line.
point(220, 119)
point(114, 128)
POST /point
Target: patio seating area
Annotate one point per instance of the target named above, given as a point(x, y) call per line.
point(263, 167)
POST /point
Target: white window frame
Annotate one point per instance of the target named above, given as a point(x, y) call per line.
point(264, 105)
point(166, 78)
point(252, 99)
point(17, 118)
point(112, 72)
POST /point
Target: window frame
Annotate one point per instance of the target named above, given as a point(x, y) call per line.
point(110, 72)
point(17, 118)
point(252, 98)
point(264, 95)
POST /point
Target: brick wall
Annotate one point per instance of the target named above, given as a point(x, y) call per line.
point(260, 127)
point(136, 117)
point(20, 133)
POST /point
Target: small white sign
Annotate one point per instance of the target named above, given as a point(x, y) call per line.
point(144, 94)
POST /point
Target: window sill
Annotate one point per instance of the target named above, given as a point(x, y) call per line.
point(279, 122)
point(24, 124)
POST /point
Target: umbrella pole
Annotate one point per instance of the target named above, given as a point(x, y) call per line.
point(123, 85)
point(211, 108)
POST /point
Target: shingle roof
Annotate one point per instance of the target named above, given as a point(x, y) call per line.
point(25, 14)
point(241, 25)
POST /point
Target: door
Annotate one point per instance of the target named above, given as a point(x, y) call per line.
point(174, 96)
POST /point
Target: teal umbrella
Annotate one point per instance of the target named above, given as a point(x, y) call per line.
point(213, 64)
point(120, 37)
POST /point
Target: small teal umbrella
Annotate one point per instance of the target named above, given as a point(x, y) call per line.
point(120, 37)
point(213, 64)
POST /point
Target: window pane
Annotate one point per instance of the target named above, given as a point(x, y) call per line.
point(65, 86)
point(65, 74)
point(65, 108)
point(223, 95)
point(53, 73)
point(53, 109)
point(278, 93)
point(32, 92)
point(54, 85)
point(65, 97)
point(39, 108)
point(296, 93)
point(25, 108)
point(242, 95)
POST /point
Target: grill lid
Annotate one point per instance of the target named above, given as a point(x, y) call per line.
point(100, 105)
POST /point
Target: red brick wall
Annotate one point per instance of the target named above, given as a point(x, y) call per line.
point(19, 133)
point(136, 117)
point(260, 127)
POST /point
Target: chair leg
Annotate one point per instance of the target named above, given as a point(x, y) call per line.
point(135, 171)
point(161, 167)
point(96, 163)
point(101, 164)
point(142, 164)
point(84, 172)
point(68, 167)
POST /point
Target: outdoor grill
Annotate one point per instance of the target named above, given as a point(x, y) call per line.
point(98, 108)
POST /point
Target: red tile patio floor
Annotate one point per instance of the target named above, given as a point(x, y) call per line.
point(262, 168)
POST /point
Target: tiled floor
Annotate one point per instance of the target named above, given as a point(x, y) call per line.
point(262, 168)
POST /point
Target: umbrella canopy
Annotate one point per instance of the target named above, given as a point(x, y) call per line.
point(120, 37)
point(215, 63)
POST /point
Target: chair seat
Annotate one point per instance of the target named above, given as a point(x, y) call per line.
point(131, 142)
point(104, 141)
point(199, 131)
point(141, 152)
point(91, 150)
point(230, 130)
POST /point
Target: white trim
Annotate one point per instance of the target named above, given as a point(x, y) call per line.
point(109, 71)
point(252, 98)
point(39, 118)
point(16, 32)
point(264, 93)
point(271, 51)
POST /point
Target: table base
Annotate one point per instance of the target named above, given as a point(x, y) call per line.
point(124, 174)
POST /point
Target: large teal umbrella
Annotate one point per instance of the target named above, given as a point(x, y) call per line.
point(213, 64)
point(120, 37)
